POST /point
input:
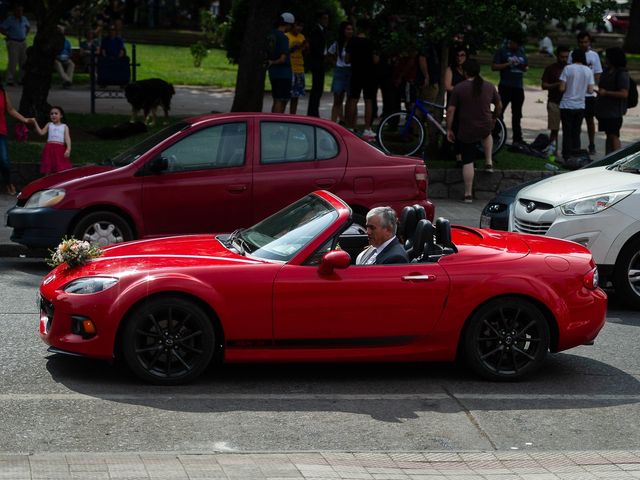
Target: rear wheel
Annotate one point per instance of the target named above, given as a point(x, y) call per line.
point(506, 339)
point(626, 277)
point(499, 135)
point(401, 133)
point(103, 228)
point(168, 341)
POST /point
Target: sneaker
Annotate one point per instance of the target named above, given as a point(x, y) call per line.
point(467, 199)
point(592, 149)
point(368, 135)
point(488, 167)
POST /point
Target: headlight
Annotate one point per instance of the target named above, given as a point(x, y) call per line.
point(87, 285)
point(495, 207)
point(45, 198)
point(593, 204)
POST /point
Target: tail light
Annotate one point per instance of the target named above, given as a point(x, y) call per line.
point(591, 279)
point(421, 178)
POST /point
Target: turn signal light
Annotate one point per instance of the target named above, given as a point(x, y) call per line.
point(83, 326)
point(421, 178)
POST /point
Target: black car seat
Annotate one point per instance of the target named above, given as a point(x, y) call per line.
point(442, 244)
point(422, 235)
point(407, 226)
point(420, 211)
point(425, 239)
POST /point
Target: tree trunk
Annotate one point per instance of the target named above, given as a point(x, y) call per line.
point(251, 71)
point(632, 40)
point(40, 56)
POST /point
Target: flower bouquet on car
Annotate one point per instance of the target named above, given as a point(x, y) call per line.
point(73, 252)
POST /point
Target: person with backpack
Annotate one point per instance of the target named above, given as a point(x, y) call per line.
point(613, 92)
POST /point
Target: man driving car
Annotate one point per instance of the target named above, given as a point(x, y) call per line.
point(383, 247)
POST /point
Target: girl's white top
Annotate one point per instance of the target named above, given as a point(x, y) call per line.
point(56, 132)
point(340, 57)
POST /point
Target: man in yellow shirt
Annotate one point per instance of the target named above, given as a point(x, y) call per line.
point(297, 47)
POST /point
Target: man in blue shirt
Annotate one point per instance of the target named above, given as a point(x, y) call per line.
point(279, 63)
point(15, 28)
point(511, 62)
point(63, 63)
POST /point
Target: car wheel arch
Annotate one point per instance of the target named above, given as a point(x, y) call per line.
point(104, 208)
point(208, 309)
point(554, 335)
point(617, 276)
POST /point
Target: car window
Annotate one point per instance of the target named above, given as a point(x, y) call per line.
point(213, 147)
point(283, 142)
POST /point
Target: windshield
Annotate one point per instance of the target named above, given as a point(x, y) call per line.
point(284, 234)
point(629, 164)
point(131, 154)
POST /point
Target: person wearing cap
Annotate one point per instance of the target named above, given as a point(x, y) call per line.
point(279, 63)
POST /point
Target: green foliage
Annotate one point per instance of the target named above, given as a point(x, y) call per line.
point(199, 52)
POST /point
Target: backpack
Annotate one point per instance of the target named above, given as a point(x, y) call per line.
point(632, 98)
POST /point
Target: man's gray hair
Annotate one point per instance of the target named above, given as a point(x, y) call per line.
point(388, 218)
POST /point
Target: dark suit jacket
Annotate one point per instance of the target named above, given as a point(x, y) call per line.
point(392, 253)
point(317, 39)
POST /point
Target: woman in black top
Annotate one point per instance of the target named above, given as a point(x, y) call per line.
point(613, 89)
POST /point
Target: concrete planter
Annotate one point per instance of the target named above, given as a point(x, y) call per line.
point(443, 183)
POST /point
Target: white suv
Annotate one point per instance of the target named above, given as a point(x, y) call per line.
point(596, 207)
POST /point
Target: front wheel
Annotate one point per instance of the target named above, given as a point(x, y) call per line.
point(168, 341)
point(626, 277)
point(103, 228)
point(506, 339)
point(401, 133)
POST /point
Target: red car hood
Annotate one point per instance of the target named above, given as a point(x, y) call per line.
point(60, 178)
point(144, 256)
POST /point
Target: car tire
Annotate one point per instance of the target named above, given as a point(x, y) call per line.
point(506, 339)
point(168, 341)
point(103, 228)
point(626, 275)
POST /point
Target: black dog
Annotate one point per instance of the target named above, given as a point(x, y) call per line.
point(148, 95)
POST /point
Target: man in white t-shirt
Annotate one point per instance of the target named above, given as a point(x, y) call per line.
point(576, 81)
point(593, 62)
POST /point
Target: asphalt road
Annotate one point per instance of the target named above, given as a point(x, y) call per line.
point(584, 399)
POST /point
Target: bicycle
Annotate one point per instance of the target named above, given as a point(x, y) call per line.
point(403, 133)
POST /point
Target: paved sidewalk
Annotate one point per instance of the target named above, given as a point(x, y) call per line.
point(498, 465)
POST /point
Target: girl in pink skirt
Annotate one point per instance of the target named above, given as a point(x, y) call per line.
point(56, 153)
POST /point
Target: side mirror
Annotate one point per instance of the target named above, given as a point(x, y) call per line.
point(158, 165)
point(335, 259)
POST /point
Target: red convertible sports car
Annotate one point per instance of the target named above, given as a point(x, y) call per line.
point(287, 289)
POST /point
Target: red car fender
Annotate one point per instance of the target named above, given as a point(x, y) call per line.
point(167, 283)
point(464, 296)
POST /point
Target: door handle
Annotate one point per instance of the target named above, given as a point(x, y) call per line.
point(325, 182)
point(418, 278)
point(236, 188)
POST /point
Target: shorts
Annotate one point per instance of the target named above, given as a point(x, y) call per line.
point(341, 79)
point(468, 151)
point(610, 126)
point(589, 106)
point(553, 116)
point(363, 83)
point(281, 88)
point(297, 85)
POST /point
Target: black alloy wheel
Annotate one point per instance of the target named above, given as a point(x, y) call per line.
point(168, 341)
point(506, 339)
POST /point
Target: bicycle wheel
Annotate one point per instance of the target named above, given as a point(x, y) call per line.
point(499, 135)
point(400, 133)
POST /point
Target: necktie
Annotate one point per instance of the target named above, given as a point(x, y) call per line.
point(367, 256)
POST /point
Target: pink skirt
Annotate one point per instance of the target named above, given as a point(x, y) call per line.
point(53, 159)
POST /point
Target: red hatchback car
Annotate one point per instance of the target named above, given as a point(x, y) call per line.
point(286, 289)
point(214, 173)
